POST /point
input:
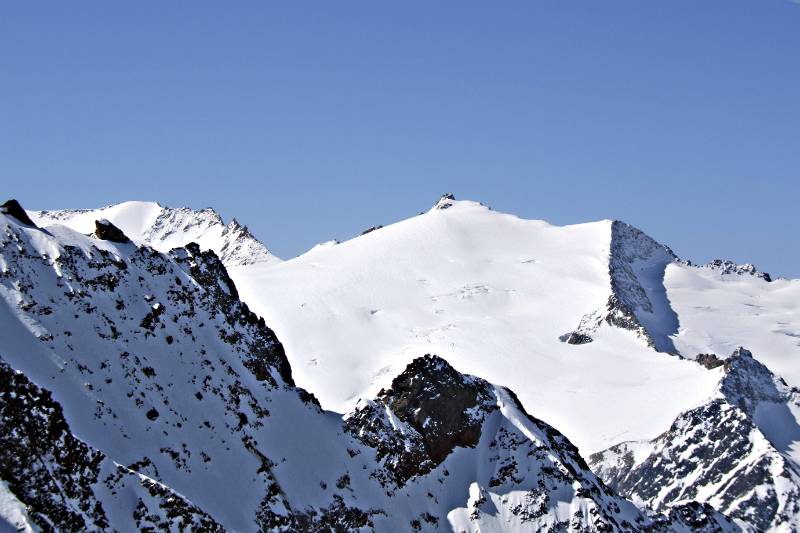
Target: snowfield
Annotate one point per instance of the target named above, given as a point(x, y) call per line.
point(720, 312)
point(489, 292)
point(150, 382)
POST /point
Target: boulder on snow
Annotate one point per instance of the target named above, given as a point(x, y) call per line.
point(709, 360)
point(576, 337)
point(14, 209)
point(106, 231)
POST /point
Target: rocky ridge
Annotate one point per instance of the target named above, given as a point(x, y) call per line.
point(165, 228)
point(129, 356)
point(635, 261)
point(725, 266)
point(730, 452)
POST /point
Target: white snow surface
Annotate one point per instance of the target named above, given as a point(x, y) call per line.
point(149, 372)
point(165, 228)
point(491, 293)
point(720, 312)
point(13, 514)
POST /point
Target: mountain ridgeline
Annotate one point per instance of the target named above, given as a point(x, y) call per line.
point(141, 389)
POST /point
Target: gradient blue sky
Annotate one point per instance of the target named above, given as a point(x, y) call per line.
point(311, 121)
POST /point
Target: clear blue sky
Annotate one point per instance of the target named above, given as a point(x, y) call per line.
point(311, 121)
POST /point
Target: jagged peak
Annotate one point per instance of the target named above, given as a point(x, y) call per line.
point(448, 202)
point(439, 407)
point(13, 208)
point(747, 381)
point(636, 263)
point(106, 231)
point(726, 266)
point(426, 376)
point(629, 243)
point(445, 201)
point(167, 227)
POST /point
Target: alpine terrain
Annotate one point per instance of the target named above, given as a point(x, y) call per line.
point(461, 370)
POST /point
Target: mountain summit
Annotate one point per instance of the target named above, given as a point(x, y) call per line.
point(137, 392)
point(165, 228)
point(535, 306)
point(151, 357)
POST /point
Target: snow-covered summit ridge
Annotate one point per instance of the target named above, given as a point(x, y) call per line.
point(492, 293)
point(165, 228)
point(114, 354)
point(725, 266)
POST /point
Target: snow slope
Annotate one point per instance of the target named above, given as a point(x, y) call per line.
point(165, 228)
point(721, 311)
point(737, 451)
point(593, 325)
point(139, 392)
point(496, 295)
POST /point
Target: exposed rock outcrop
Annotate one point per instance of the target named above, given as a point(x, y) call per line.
point(636, 264)
point(14, 209)
point(438, 409)
point(445, 202)
point(725, 266)
point(106, 231)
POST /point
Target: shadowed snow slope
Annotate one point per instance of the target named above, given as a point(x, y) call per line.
point(497, 295)
point(165, 228)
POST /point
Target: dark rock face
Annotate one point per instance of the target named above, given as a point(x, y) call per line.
point(709, 360)
point(633, 257)
point(265, 352)
point(617, 314)
point(620, 315)
point(442, 409)
point(106, 231)
point(14, 209)
point(436, 400)
point(42, 461)
point(697, 517)
point(748, 382)
point(445, 202)
point(577, 338)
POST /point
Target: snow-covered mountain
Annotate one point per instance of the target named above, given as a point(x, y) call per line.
point(147, 361)
point(165, 228)
point(570, 317)
point(137, 392)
